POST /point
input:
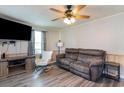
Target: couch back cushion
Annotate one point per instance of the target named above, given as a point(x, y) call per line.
point(91, 55)
point(92, 52)
point(88, 59)
point(71, 53)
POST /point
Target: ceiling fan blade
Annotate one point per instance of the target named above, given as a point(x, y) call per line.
point(56, 10)
point(78, 8)
point(56, 19)
point(82, 17)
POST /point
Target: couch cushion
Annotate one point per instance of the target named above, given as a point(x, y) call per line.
point(88, 59)
point(86, 76)
point(93, 52)
point(71, 50)
point(71, 56)
point(96, 62)
point(66, 61)
point(80, 67)
point(71, 53)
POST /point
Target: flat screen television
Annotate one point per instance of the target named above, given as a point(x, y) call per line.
point(14, 31)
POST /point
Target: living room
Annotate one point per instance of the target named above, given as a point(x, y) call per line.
point(62, 45)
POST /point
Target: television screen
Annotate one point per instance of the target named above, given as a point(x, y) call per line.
point(13, 30)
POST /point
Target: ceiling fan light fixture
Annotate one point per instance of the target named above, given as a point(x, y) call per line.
point(72, 19)
point(69, 20)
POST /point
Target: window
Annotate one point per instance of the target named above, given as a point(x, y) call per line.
point(39, 42)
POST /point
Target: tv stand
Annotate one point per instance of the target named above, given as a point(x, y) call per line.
point(16, 65)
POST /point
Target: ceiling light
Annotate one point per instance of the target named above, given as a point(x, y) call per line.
point(69, 20)
point(72, 19)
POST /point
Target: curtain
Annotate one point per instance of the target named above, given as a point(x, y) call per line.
point(43, 40)
point(31, 48)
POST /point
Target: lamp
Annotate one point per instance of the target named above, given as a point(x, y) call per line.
point(69, 20)
point(59, 45)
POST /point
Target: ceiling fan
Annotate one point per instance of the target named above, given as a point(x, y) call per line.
point(70, 14)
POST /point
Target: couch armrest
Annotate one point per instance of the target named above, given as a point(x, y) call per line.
point(96, 69)
point(60, 56)
point(95, 64)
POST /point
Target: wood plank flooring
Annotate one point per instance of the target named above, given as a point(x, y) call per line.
point(56, 77)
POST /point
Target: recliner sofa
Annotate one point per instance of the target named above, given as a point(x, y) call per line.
point(88, 63)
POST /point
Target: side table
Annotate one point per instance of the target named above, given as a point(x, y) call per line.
point(112, 70)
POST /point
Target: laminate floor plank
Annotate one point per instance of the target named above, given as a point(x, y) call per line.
point(56, 77)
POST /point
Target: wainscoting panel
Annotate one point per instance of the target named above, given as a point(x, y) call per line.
point(118, 59)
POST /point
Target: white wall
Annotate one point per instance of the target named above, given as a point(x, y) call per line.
point(52, 38)
point(20, 47)
point(105, 33)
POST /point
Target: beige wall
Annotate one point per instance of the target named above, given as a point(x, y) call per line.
point(106, 33)
point(52, 38)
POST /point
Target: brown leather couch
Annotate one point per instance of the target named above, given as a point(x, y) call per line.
point(88, 63)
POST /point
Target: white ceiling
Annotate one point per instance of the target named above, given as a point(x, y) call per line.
point(40, 15)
